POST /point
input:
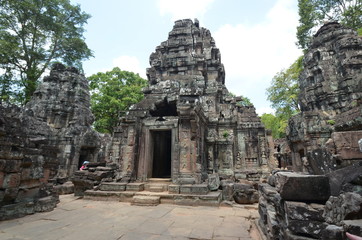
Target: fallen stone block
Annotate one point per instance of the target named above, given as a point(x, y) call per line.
point(332, 232)
point(303, 211)
point(311, 229)
point(353, 226)
point(299, 187)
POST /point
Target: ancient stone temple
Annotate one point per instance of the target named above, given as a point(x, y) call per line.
point(324, 136)
point(63, 102)
point(45, 142)
point(324, 199)
point(189, 126)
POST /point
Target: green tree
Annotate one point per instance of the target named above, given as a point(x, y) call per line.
point(283, 94)
point(112, 93)
point(33, 33)
point(313, 13)
point(276, 124)
point(284, 90)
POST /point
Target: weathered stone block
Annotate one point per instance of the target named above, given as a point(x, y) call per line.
point(113, 186)
point(332, 232)
point(46, 204)
point(342, 176)
point(27, 194)
point(174, 188)
point(186, 181)
point(65, 188)
point(227, 191)
point(245, 193)
point(303, 211)
point(290, 236)
point(145, 200)
point(353, 226)
point(186, 189)
point(199, 189)
point(306, 228)
point(214, 182)
point(346, 144)
point(11, 180)
point(10, 195)
point(299, 187)
point(344, 207)
point(12, 166)
point(135, 187)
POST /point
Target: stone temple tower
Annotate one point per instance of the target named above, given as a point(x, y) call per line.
point(189, 126)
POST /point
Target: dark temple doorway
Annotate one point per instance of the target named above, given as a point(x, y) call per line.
point(85, 154)
point(161, 154)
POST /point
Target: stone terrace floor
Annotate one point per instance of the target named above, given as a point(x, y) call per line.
point(85, 219)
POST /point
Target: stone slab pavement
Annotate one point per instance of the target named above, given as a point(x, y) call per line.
point(80, 219)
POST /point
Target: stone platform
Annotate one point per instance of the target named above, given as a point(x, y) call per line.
point(154, 192)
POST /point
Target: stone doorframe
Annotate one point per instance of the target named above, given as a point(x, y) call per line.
point(144, 171)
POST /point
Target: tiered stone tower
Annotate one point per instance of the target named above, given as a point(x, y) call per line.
point(189, 126)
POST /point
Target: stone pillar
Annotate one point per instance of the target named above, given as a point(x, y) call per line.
point(187, 154)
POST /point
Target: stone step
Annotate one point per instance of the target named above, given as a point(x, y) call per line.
point(102, 195)
point(209, 199)
point(112, 186)
point(136, 187)
point(109, 195)
point(159, 180)
point(194, 189)
point(156, 187)
point(146, 200)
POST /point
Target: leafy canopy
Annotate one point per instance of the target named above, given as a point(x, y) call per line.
point(112, 93)
point(284, 90)
point(313, 13)
point(33, 33)
point(276, 124)
point(283, 94)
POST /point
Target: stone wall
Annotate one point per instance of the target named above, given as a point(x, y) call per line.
point(329, 124)
point(45, 142)
point(27, 159)
point(62, 101)
point(296, 206)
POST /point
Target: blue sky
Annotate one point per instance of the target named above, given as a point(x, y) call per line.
point(256, 38)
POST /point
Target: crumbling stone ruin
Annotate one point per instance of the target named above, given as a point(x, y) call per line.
point(63, 102)
point(189, 135)
point(323, 140)
point(45, 142)
point(329, 124)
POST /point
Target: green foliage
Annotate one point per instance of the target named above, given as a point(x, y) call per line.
point(245, 101)
point(276, 124)
point(284, 90)
point(331, 122)
point(33, 33)
point(112, 93)
point(313, 13)
point(225, 134)
point(359, 31)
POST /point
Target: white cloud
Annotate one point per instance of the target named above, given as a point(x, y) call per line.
point(262, 110)
point(253, 54)
point(131, 64)
point(184, 9)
